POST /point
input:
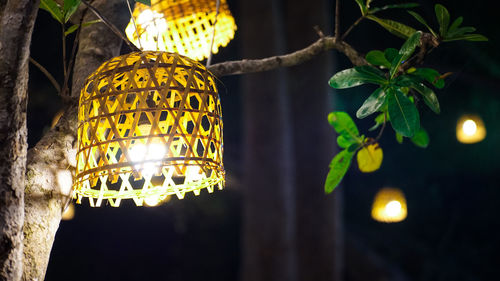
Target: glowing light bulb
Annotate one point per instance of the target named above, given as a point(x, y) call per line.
point(389, 205)
point(154, 24)
point(141, 153)
point(469, 127)
point(393, 208)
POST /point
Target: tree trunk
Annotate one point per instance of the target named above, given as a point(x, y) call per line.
point(16, 25)
point(51, 161)
point(318, 221)
point(267, 245)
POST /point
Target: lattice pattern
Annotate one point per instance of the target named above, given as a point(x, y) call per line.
point(150, 125)
point(181, 26)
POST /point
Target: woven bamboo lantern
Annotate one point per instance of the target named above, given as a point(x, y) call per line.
point(470, 129)
point(181, 26)
point(149, 126)
point(389, 205)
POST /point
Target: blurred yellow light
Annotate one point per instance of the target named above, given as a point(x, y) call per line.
point(389, 205)
point(184, 27)
point(156, 199)
point(470, 129)
point(69, 213)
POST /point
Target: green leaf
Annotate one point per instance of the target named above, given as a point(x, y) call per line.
point(429, 96)
point(71, 29)
point(421, 138)
point(399, 138)
point(343, 142)
point(405, 52)
point(460, 31)
point(394, 27)
point(70, 7)
point(338, 167)
point(390, 54)
point(377, 57)
point(430, 75)
point(74, 27)
point(379, 120)
point(456, 23)
point(393, 6)
point(371, 104)
point(353, 77)
point(362, 6)
point(422, 21)
point(403, 113)
point(53, 8)
point(145, 2)
point(467, 37)
point(344, 126)
point(443, 18)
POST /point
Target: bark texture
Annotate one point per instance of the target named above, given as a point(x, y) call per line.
point(294, 58)
point(268, 249)
point(16, 25)
point(52, 161)
point(318, 220)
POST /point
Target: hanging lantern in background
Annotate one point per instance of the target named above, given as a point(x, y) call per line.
point(149, 126)
point(470, 129)
point(181, 26)
point(389, 205)
point(69, 213)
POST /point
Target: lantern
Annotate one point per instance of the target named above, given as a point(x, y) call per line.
point(389, 205)
point(149, 126)
point(470, 129)
point(181, 26)
point(69, 213)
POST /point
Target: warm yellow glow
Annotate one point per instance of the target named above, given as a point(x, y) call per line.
point(150, 126)
point(393, 208)
point(389, 205)
point(157, 199)
point(184, 27)
point(69, 213)
point(470, 129)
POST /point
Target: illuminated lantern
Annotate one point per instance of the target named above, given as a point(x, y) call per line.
point(181, 26)
point(149, 126)
point(389, 205)
point(470, 129)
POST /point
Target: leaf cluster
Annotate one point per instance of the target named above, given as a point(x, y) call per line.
point(393, 97)
point(369, 156)
point(447, 32)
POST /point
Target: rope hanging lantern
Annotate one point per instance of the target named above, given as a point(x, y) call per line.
point(389, 205)
point(181, 26)
point(149, 126)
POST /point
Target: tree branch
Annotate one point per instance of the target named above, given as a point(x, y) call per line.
point(17, 18)
point(295, 58)
point(51, 162)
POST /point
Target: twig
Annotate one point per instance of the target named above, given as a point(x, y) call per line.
point(297, 57)
point(337, 20)
point(209, 59)
point(135, 25)
point(47, 74)
point(111, 26)
point(352, 26)
point(65, 90)
point(380, 133)
point(63, 37)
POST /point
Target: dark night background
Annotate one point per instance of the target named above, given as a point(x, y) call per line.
point(452, 189)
